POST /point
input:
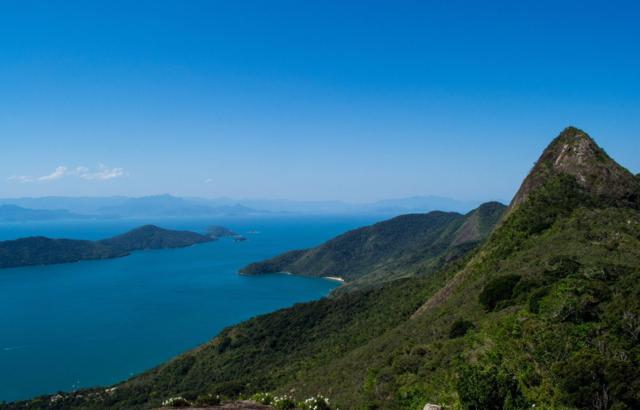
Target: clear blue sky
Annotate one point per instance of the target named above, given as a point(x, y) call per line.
point(353, 100)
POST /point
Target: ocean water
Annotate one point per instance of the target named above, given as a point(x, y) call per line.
point(70, 326)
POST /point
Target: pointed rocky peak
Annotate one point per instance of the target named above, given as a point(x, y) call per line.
point(576, 154)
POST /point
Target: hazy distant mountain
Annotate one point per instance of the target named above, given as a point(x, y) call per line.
point(78, 205)
point(388, 207)
point(120, 206)
point(421, 204)
point(168, 205)
point(172, 206)
point(14, 213)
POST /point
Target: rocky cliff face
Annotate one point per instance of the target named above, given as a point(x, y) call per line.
point(574, 153)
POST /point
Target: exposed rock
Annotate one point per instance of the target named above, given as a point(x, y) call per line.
point(574, 153)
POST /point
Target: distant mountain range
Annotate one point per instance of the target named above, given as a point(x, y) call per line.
point(78, 205)
point(14, 213)
point(171, 206)
point(397, 206)
point(39, 250)
point(55, 208)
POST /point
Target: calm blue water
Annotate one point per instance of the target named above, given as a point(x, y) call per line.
point(90, 323)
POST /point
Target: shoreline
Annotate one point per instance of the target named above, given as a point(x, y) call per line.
point(334, 278)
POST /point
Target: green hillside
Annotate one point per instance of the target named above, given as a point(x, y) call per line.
point(545, 314)
point(408, 245)
point(39, 250)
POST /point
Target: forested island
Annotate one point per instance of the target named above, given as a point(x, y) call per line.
point(216, 232)
point(40, 250)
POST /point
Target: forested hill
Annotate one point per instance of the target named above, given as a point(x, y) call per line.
point(39, 250)
point(153, 237)
point(404, 246)
point(544, 314)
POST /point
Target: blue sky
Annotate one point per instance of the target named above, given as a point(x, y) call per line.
point(357, 100)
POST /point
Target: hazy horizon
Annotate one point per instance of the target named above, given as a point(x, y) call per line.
point(304, 101)
point(240, 199)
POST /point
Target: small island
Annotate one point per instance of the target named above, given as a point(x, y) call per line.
point(216, 232)
point(40, 250)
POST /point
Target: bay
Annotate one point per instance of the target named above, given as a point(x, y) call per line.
point(70, 326)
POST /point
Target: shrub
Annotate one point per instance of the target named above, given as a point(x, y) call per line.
point(318, 402)
point(525, 286)
point(460, 328)
point(284, 402)
point(263, 398)
point(229, 388)
point(420, 350)
point(208, 400)
point(561, 267)
point(489, 389)
point(582, 379)
point(406, 363)
point(498, 290)
point(224, 344)
point(411, 397)
point(535, 298)
point(589, 379)
point(176, 402)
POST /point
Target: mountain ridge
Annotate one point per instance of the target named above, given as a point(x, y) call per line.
point(387, 250)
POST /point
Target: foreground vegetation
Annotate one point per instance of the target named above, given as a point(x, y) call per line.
point(545, 314)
